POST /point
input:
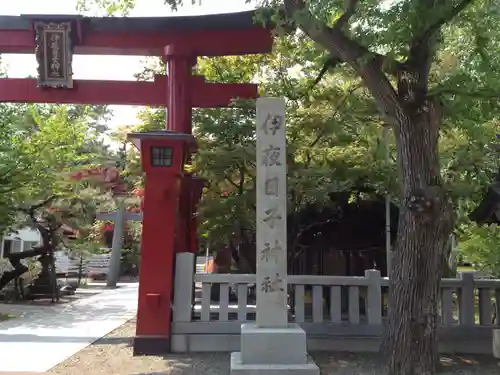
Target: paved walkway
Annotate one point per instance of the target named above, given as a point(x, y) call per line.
point(44, 337)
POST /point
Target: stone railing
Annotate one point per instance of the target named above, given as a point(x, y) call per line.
point(329, 308)
point(355, 300)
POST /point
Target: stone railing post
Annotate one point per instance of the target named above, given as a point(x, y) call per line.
point(496, 343)
point(184, 286)
point(466, 313)
point(374, 297)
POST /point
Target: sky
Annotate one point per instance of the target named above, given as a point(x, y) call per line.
point(105, 67)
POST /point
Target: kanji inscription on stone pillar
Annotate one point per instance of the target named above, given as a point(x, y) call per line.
point(271, 214)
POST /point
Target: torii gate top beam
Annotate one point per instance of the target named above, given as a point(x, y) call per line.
point(207, 35)
point(178, 40)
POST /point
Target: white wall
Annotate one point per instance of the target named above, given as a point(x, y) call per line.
point(25, 235)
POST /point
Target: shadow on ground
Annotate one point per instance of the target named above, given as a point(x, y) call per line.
point(113, 354)
point(371, 363)
point(329, 363)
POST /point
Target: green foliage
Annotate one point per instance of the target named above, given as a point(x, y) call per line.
point(330, 146)
point(41, 146)
point(479, 246)
point(225, 160)
point(8, 171)
point(111, 7)
point(334, 135)
point(47, 152)
point(335, 128)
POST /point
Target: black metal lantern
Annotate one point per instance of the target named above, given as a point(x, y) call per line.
point(161, 156)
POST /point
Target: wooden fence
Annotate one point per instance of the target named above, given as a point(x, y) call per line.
point(338, 313)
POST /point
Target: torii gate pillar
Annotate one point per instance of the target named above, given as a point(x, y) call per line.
point(180, 62)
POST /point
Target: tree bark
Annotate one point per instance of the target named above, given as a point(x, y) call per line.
point(425, 223)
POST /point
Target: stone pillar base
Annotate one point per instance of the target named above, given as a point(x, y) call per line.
point(273, 351)
point(239, 368)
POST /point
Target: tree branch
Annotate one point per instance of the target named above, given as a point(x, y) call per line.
point(31, 210)
point(292, 254)
point(330, 63)
point(369, 65)
point(348, 13)
point(440, 22)
point(46, 233)
point(345, 49)
point(420, 51)
point(19, 268)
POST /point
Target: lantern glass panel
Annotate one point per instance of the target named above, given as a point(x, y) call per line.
point(161, 156)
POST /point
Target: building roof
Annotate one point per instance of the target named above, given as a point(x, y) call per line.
point(487, 212)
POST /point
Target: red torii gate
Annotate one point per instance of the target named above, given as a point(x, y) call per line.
point(170, 194)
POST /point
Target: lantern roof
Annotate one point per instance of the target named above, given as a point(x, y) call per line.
point(136, 138)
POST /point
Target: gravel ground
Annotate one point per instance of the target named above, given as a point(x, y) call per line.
point(113, 355)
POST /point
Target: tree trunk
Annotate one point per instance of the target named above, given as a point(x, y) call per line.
point(425, 223)
point(8, 276)
point(19, 268)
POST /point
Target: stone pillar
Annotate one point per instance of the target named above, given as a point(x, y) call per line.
point(271, 215)
point(118, 217)
point(272, 345)
point(116, 246)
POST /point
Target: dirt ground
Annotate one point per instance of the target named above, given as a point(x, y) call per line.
point(113, 355)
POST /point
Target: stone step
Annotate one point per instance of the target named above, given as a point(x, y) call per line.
point(238, 368)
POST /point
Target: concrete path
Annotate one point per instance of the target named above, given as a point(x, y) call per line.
point(44, 337)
